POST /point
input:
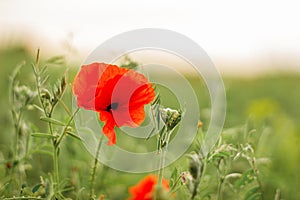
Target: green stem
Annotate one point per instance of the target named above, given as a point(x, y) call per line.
point(162, 162)
point(199, 180)
point(220, 184)
point(58, 141)
point(174, 185)
point(195, 190)
point(94, 169)
point(219, 190)
point(65, 107)
point(56, 170)
point(254, 167)
point(221, 180)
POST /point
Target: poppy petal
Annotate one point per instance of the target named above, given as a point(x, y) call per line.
point(117, 94)
point(108, 128)
point(131, 95)
point(144, 190)
point(85, 84)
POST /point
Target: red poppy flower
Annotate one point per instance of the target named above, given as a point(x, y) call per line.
point(145, 189)
point(117, 94)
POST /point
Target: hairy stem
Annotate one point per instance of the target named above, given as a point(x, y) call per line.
point(162, 160)
point(94, 169)
point(199, 180)
point(56, 170)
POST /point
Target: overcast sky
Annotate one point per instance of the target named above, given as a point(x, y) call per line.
point(225, 29)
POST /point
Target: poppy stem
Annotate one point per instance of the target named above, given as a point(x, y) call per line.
point(163, 152)
point(94, 169)
point(55, 168)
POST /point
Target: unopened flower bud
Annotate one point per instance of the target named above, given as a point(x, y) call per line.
point(45, 94)
point(195, 166)
point(187, 179)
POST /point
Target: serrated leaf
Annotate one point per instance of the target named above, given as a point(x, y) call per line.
point(36, 188)
point(52, 121)
point(43, 135)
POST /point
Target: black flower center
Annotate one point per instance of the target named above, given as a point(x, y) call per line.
point(112, 106)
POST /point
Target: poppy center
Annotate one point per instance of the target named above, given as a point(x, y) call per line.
point(112, 106)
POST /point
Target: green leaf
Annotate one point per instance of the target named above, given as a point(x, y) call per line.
point(56, 60)
point(253, 193)
point(52, 121)
point(39, 108)
point(150, 134)
point(246, 178)
point(36, 188)
point(221, 154)
point(43, 69)
point(43, 135)
point(173, 178)
point(45, 152)
point(16, 70)
point(74, 135)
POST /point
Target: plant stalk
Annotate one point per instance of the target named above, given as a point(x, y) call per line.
point(94, 169)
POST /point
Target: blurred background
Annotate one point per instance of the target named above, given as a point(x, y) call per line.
point(254, 44)
point(241, 37)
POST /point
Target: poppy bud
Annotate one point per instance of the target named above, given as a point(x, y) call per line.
point(195, 166)
point(187, 179)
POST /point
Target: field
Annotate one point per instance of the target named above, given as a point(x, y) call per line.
point(257, 158)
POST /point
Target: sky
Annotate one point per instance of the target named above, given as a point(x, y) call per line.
point(239, 31)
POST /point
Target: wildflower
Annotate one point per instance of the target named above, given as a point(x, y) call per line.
point(117, 94)
point(171, 117)
point(147, 188)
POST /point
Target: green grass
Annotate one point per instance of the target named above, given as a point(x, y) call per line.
point(268, 103)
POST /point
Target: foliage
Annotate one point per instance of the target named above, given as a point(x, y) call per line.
point(42, 157)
